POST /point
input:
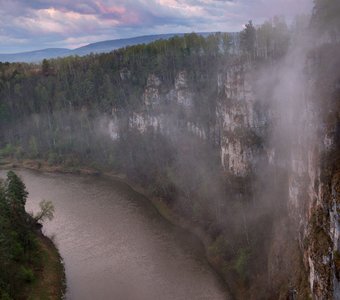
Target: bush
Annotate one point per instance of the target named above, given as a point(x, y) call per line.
point(4, 296)
point(27, 275)
point(17, 251)
point(241, 263)
point(53, 158)
point(8, 150)
point(19, 152)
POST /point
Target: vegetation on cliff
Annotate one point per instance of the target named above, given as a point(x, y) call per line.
point(29, 263)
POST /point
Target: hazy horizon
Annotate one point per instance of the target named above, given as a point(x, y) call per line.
point(103, 41)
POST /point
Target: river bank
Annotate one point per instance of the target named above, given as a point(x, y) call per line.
point(31, 266)
point(50, 280)
point(162, 208)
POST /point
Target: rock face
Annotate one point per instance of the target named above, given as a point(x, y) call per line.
point(151, 94)
point(183, 95)
point(236, 120)
point(240, 133)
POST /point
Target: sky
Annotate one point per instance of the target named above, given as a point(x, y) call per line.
point(37, 24)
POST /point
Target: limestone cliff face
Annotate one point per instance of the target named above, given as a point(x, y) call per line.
point(151, 94)
point(313, 189)
point(183, 95)
point(237, 120)
point(157, 99)
point(319, 221)
point(239, 133)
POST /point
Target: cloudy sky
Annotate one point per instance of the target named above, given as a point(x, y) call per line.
point(36, 24)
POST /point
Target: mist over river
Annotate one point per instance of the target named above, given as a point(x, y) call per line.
point(116, 246)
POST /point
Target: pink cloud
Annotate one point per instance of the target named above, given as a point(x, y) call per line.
point(119, 10)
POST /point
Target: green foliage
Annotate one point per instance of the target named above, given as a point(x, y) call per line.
point(4, 114)
point(267, 41)
point(248, 39)
point(104, 81)
point(53, 158)
point(33, 147)
point(18, 255)
point(272, 39)
point(26, 274)
point(241, 263)
point(4, 296)
point(16, 249)
point(45, 67)
point(8, 150)
point(16, 192)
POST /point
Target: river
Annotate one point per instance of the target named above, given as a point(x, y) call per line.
point(116, 246)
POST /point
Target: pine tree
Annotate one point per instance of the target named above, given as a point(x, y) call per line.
point(45, 67)
point(248, 39)
point(16, 191)
point(16, 195)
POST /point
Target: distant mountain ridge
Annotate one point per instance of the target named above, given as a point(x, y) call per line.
point(98, 47)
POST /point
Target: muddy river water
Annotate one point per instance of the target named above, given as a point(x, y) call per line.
point(116, 246)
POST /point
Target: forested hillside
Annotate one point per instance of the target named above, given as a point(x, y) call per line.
point(227, 130)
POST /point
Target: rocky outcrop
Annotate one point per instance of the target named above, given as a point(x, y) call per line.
point(183, 95)
point(236, 120)
point(151, 93)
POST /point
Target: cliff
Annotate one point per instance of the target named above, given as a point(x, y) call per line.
point(264, 144)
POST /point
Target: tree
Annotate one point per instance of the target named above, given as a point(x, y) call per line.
point(248, 39)
point(33, 147)
point(46, 211)
point(16, 196)
point(16, 192)
point(20, 255)
point(45, 67)
point(272, 38)
point(326, 17)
